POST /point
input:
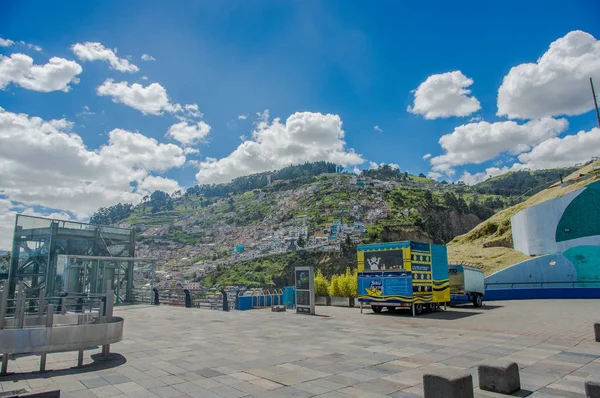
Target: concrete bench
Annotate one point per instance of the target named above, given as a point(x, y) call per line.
point(597, 331)
point(448, 383)
point(592, 387)
point(499, 376)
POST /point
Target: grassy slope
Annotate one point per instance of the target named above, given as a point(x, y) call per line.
point(469, 247)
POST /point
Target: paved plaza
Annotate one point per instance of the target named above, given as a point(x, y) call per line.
point(179, 352)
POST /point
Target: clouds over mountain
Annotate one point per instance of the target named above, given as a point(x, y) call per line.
point(303, 137)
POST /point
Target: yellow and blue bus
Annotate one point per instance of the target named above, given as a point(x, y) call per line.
point(412, 275)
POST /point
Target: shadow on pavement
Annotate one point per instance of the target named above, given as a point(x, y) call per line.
point(452, 313)
point(99, 363)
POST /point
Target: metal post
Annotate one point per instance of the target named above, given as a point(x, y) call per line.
point(110, 300)
point(412, 306)
point(21, 306)
point(595, 102)
point(4, 369)
point(3, 301)
point(49, 323)
point(80, 353)
point(63, 306)
point(41, 302)
point(361, 306)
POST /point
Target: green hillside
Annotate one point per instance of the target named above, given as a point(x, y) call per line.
point(201, 226)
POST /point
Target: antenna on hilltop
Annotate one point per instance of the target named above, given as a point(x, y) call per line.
point(595, 102)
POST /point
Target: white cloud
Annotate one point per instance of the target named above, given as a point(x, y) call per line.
point(243, 116)
point(552, 153)
point(86, 111)
point(444, 95)
point(191, 110)
point(146, 57)
point(426, 156)
point(562, 152)
point(152, 99)
point(144, 77)
point(304, 137)
point(56, 75)
point(377, 129)
point(44, 163)
point(189, 134)
point(6, 42)
point(476, 178)
point(373, 165)
point(557, 84)
point(191, 151)
point(356, 170)
point(94, 51)
point(478, 142)
point(8, 213)
point(156, 183)
point(394, 166)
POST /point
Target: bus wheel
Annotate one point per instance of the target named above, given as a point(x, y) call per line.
point(418, 309)
point(376, 308)
point(478, 300)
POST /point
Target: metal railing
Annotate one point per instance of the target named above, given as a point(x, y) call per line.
point(195, 298)
point(542, 285)
point(27, 327)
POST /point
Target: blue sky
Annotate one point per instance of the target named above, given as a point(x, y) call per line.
point(358, 60)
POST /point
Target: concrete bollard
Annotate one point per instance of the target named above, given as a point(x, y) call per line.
point(597, 330)
point(499, 376)
point(448, 383)
point(592, 387)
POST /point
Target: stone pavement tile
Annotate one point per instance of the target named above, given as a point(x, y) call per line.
point(228, 392)
point(266, 384)
point(405, 364)
point(171, 379)
point(129, 387)
point(148, 394)
point(248, 387)
point(116, 379)
point(228, 379)
point(572, 386)
point(79, 394)
point(156, 373)
point(337, 368)
point(552, 393)
point(244, 376)
point(186, 387)
point(355, 392)
point(403, 394)
point(43, 382)
point(380, 386)
point(334, 394)
point(96, 382)
point(416, 390)
point(206, 383)
point(150, 383)
point(389, 369)
point(343, 380)
point(106, 391)
point(165, 392)
point(69, 386)
point(312, 388)
point(284, 393)
point(572, 358)
point(331, 385)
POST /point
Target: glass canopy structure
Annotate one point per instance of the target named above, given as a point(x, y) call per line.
point(72, 258)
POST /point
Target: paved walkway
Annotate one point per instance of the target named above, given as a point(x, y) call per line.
point(179, 352)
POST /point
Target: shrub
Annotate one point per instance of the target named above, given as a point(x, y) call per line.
point(334, 286)
point(345, 285)
point(321, 285)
